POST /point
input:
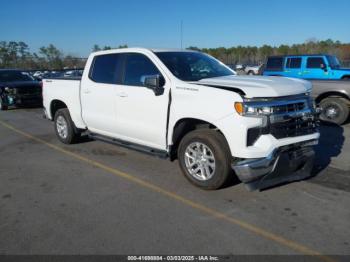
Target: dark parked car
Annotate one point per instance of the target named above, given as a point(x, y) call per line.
point(18, 89)
point(52, 74)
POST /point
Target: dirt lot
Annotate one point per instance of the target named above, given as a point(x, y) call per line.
point(95, 198)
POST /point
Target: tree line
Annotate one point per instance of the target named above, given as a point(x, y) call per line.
point(18, 55)
point(257, 55)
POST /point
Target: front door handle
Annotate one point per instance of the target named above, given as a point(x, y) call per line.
point(86, 91)
point(122, 94)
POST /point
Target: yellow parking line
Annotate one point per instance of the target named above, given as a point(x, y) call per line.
point(219, 215)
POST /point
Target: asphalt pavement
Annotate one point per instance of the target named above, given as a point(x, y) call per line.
point(97, 198)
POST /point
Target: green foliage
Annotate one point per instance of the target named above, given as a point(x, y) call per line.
point(193, 48)
point(257, 55)
point(52, 57)
point(123, 46)
point(17, 54)
point(96, 48)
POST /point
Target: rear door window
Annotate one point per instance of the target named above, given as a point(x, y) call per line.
point(315, 62)
point(274, 64)
point(293, 62)
point(107, 69)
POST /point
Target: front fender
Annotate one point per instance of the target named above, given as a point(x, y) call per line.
point(200, 103)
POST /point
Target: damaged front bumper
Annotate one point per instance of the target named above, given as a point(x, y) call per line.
point(285, 164)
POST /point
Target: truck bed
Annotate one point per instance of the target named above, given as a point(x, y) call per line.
point(64, 89)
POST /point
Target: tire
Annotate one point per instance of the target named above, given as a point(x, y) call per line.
point(64, 127)
point(334, 110)
point(217, 158)
point(347, 78)
point(3, 107)
point(251, 73)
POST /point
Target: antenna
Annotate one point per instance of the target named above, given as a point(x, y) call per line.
point(181, 33)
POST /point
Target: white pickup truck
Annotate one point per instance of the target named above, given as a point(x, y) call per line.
point(189, 106)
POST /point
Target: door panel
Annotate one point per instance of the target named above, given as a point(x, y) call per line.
point(293, 67)
point(314, 70)
point(98, 93)
point(141, 115)
point(98, 103)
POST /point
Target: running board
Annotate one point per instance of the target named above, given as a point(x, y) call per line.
point(129, 145)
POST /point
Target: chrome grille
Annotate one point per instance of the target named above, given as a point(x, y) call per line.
point(289, 118)
point(294, 126)
point(293, 107)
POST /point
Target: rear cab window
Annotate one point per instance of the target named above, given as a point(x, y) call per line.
point(274, 64)
point(106, 69)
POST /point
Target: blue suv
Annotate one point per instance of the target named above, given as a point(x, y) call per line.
point(306, 67)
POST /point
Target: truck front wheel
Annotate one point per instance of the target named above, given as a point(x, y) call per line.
point(64, 127)
point(205, 159)
point(335, 110)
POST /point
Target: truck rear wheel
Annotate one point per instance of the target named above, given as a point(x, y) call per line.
point(64, 127)
point(205, 158)
point(3, 107)
point(335, 110)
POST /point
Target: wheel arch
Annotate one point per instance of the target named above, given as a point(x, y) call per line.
point(55, 105)
point(184, 126)
point(334, 94)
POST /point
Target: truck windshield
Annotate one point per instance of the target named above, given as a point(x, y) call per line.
point(333, 62)
point(193, 66)
point(13, 76)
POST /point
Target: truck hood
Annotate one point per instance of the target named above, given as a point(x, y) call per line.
point(259, 86)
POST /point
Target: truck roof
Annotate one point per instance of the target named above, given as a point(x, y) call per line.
point(140, 49)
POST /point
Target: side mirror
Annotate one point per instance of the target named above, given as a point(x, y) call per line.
point(155, 83)
point(324, 67)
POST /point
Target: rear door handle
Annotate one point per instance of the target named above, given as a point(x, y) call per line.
point(86, 91)
point(122, 94)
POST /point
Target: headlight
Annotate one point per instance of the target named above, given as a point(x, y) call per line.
point(246, 109)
